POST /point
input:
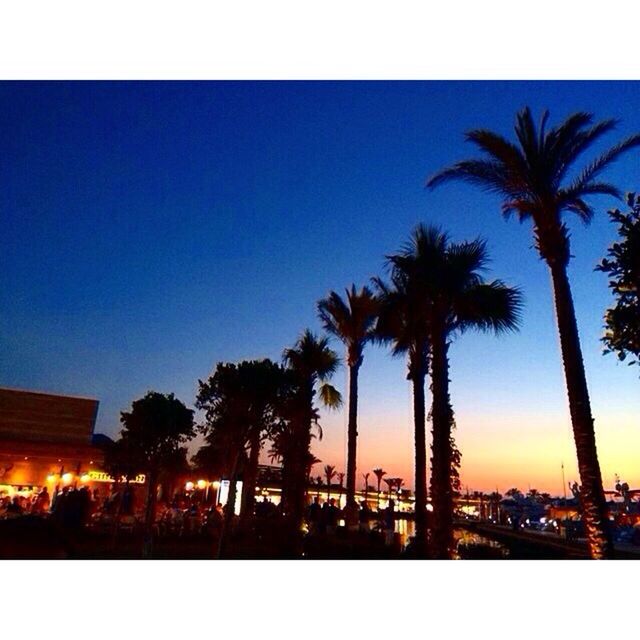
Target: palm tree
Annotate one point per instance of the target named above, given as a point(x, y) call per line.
point(402, 321)
point(352, 321)
point(532, 178)
point(379, 474)
point(366, 486)
point(311, 461)
point(329, 472)
point(390, 482)
point(341, 483)
point(455, 298)
point(311, 364)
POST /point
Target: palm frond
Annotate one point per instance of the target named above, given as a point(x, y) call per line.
point(490, 306)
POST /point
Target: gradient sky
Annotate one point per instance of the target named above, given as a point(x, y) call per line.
point(149, 230)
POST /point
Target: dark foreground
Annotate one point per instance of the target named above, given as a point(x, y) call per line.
point(34, 537)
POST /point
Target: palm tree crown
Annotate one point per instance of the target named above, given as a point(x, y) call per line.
point(313, 361)
point(434, 280)
point(351, 321)
point(533, 176)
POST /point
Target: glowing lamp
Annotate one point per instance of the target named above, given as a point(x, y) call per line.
point(202, 484)
point(216, 484)
point(84, 477)
point(429, 507)
point(51, 477)
point(189, 486)
point(67, 478)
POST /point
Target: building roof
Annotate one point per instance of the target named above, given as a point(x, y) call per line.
point(45, 417)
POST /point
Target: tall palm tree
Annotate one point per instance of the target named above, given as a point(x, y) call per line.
point(352, 321)
point(311, 363)
point(457, 299)
point(379, 474)
point(402, 323)
point(532, 176)
point(444, 280)
point(329, 472)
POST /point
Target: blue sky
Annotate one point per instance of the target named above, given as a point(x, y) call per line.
point(149, 230)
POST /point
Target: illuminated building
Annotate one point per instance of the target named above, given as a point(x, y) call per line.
point(46, 440)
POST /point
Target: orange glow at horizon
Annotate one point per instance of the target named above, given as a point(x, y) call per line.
point(501, 451)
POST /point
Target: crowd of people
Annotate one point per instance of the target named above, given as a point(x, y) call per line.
point(325, 518)
point(37, 503)
point(73, 507)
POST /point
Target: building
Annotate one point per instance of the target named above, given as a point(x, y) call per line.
point(48, 440)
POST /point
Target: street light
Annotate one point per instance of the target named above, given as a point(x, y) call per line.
point(216, 486)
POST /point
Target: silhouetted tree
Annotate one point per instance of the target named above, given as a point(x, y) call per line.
point(622, 321)
point(533, 178)
point(311, 363)
point(365, 476)
point(329, 474)
point(239, 401)
point(154, 430)
point(379, 474)
point(351, 320)
point(437, 293)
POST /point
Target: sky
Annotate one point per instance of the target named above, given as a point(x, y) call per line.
point(150, 230)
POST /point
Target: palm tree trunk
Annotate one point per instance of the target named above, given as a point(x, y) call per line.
point(250, 479)
point(150, 512)
point(420, 462)
point(442, 500)
point(594, 505)
point(352, 436)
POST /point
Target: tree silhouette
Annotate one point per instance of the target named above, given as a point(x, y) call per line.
point(311, 363)
point(438, 293)
point(532, 177)
point(352, 321)
point(240, 403)
point(153, 431)
point(329, 474)
point(622, 321)
point(379, 474)
point(365, 477)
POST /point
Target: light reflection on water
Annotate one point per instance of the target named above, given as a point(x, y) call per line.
point(406, 529)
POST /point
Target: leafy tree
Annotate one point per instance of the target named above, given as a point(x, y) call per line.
point(622, 321)
point(352, 321)
point(533, 178)
point(155, 428)
point(240, 403)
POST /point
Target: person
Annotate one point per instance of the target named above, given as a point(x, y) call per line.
point(331, 515)
point(363, 517)
point(314, 515)
point(15, 509)
point(351, 515)
point(389, 523)
point(43, 501)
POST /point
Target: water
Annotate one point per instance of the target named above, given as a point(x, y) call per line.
point(406, 529)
